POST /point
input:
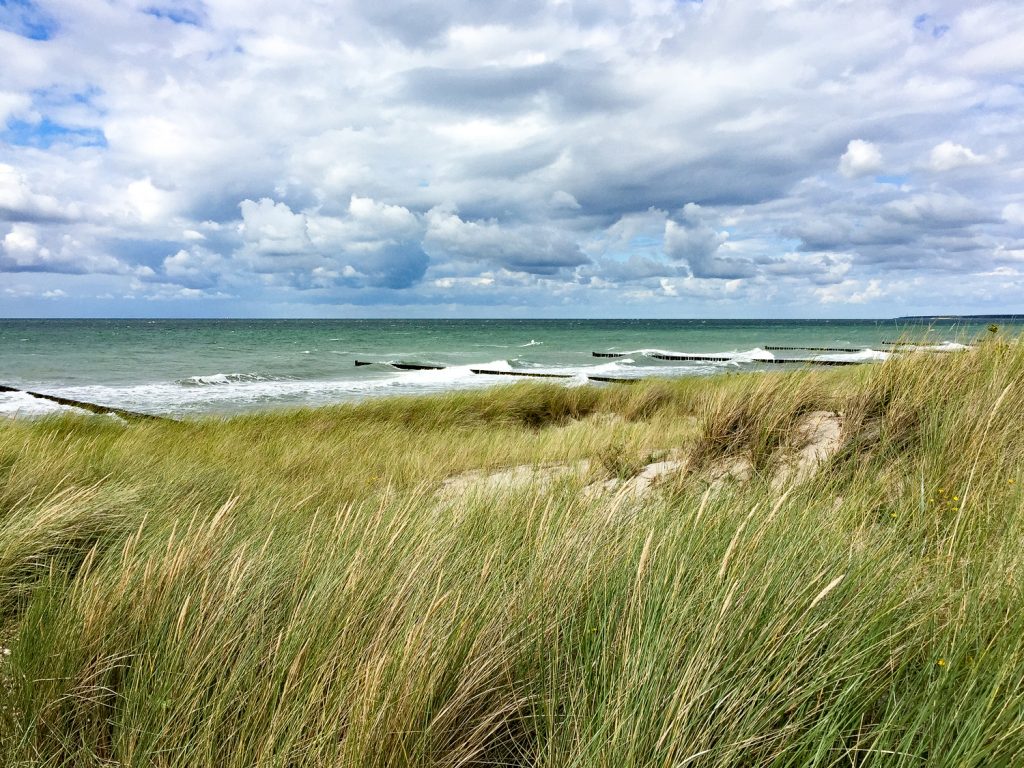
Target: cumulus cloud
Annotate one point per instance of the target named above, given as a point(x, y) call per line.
point(18, 202)
point(23, 249)
point(861, 158)
point(272, 229)
point(370, 246)
point(852, 292)
point(536, 250)
point(194, 267)
point(700, 245)
point(948, 156)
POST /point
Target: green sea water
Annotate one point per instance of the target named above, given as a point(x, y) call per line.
point(181, 367)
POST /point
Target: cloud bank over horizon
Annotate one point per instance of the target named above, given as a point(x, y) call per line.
point(656, 158)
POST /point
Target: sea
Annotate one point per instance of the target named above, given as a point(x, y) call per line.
point(182, 368)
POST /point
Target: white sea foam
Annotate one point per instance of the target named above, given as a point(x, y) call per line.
point(532, 343)
point(863, 356)
point(23, 406)
point(733, 356)
point(751, 356)
point(757, 354)
point(217, 379)
point(942, 346)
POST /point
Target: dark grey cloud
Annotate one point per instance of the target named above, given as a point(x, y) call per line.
point(700, 245)
point(480, 89)
point(394, 265)
point(576, 84)
point(419, 23)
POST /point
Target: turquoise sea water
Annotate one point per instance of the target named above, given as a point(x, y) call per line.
point(180, 367)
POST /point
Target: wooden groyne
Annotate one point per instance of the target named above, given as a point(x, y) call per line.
point(91, 407)
point(539, 375)
point(814, 349)
point(407, 366)
point(770, 361)
point(712, 358)
point(667, 356)
point(535, 374)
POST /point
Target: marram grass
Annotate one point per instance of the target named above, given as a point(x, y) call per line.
point(288, 589)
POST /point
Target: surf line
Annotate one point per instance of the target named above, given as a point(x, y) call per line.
point(91, 407)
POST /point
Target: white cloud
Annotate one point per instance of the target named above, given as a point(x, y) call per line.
point(19, 203)
point(860, 159)
point(148, 203)
point(13, 104)
point(851, 292)
point(375, 220)
point(948, 156)
point(23, 249)
point(1014, 213)
point(272, 229)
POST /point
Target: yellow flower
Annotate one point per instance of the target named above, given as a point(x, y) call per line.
point(941, 662)
point(956, 498)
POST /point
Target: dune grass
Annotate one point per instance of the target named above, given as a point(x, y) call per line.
point(287, 589)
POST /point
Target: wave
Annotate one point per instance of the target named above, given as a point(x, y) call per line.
point(944, 346)
point(731, 356)
point(22, 405)
point(532, 343)
point(220, 379)
point(864, 355)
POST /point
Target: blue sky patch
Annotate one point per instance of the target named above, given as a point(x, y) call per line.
point(925, 22)
point(179, 14)
point(46, 133)
point(25, 18)
point(46, 99)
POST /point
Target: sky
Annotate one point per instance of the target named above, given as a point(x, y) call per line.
point(522, 159)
